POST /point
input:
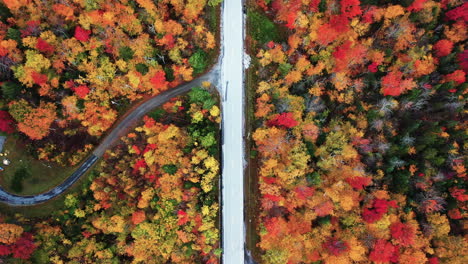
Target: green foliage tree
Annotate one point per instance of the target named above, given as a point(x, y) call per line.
point(142, 68)
point(19, 109)
point(170, 169)
point(214, 2)
point(126, 53)
point(21, 174)
point(208, 140)
point(199, 61)
point(11, 90)
point(201, 96)
point(262, 28)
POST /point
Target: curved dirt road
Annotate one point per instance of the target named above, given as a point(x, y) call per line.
point(118, 131)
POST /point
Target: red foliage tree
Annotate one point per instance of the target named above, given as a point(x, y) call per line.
point(384, 252)
point(271, 197)
point(275, 226)
point(379, 208)
point(368, 16)
point(359, 183)
point(346, 55)
point(416, 6)
point(149, 147)
point(291, 19)
point(45, 47)
point(5, 250)
point(136, 149)
point(391, 84)
point(31, 28)
point(463, 60)
point(459, 194)
point(341, 51)
point(283, 120)
point(339, 24)
point(394, 85)
point(287, 11)
point(373, 67)
point(324, 208)
point(81, 91)
point(139, 164)
point(6, 122)
point(314, 5)
point(455, 214)
point(350, 8)
point(443, 47)
point(168, 40)
point(24, 247)
point(457, 76)
point(183, 217)
point(460, 12)
point(149, 122)
point(138, 217)
point(304, 192)
point(159, 80)
point(330, 31)
point(335, 247)
point(39, 78)
point(82, 34)
point(263, 5)
point(269, 180)
point(403, 233)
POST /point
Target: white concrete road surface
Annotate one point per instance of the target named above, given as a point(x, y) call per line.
point(232, 80)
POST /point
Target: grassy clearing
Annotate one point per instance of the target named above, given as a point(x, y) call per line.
point(37, 176)
point(49, 208)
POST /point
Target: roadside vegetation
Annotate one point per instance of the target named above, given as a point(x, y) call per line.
point(358, 130)
point(153, 198)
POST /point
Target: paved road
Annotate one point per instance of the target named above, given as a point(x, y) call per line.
point(118, 131)
point(232, 50)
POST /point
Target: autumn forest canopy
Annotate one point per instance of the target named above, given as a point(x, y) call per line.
point(358, 129)
point(69, 70)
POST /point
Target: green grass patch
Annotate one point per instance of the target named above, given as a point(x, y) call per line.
point(212, 17)
point(261, 28)
point(26, 175)
point(49, 208)
point(212, 14)
point(20, 175)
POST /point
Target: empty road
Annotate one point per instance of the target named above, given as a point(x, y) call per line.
point(232, 50)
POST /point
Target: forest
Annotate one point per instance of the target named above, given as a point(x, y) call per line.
point(152, 199)
point(359, 130)
point(69, 69)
